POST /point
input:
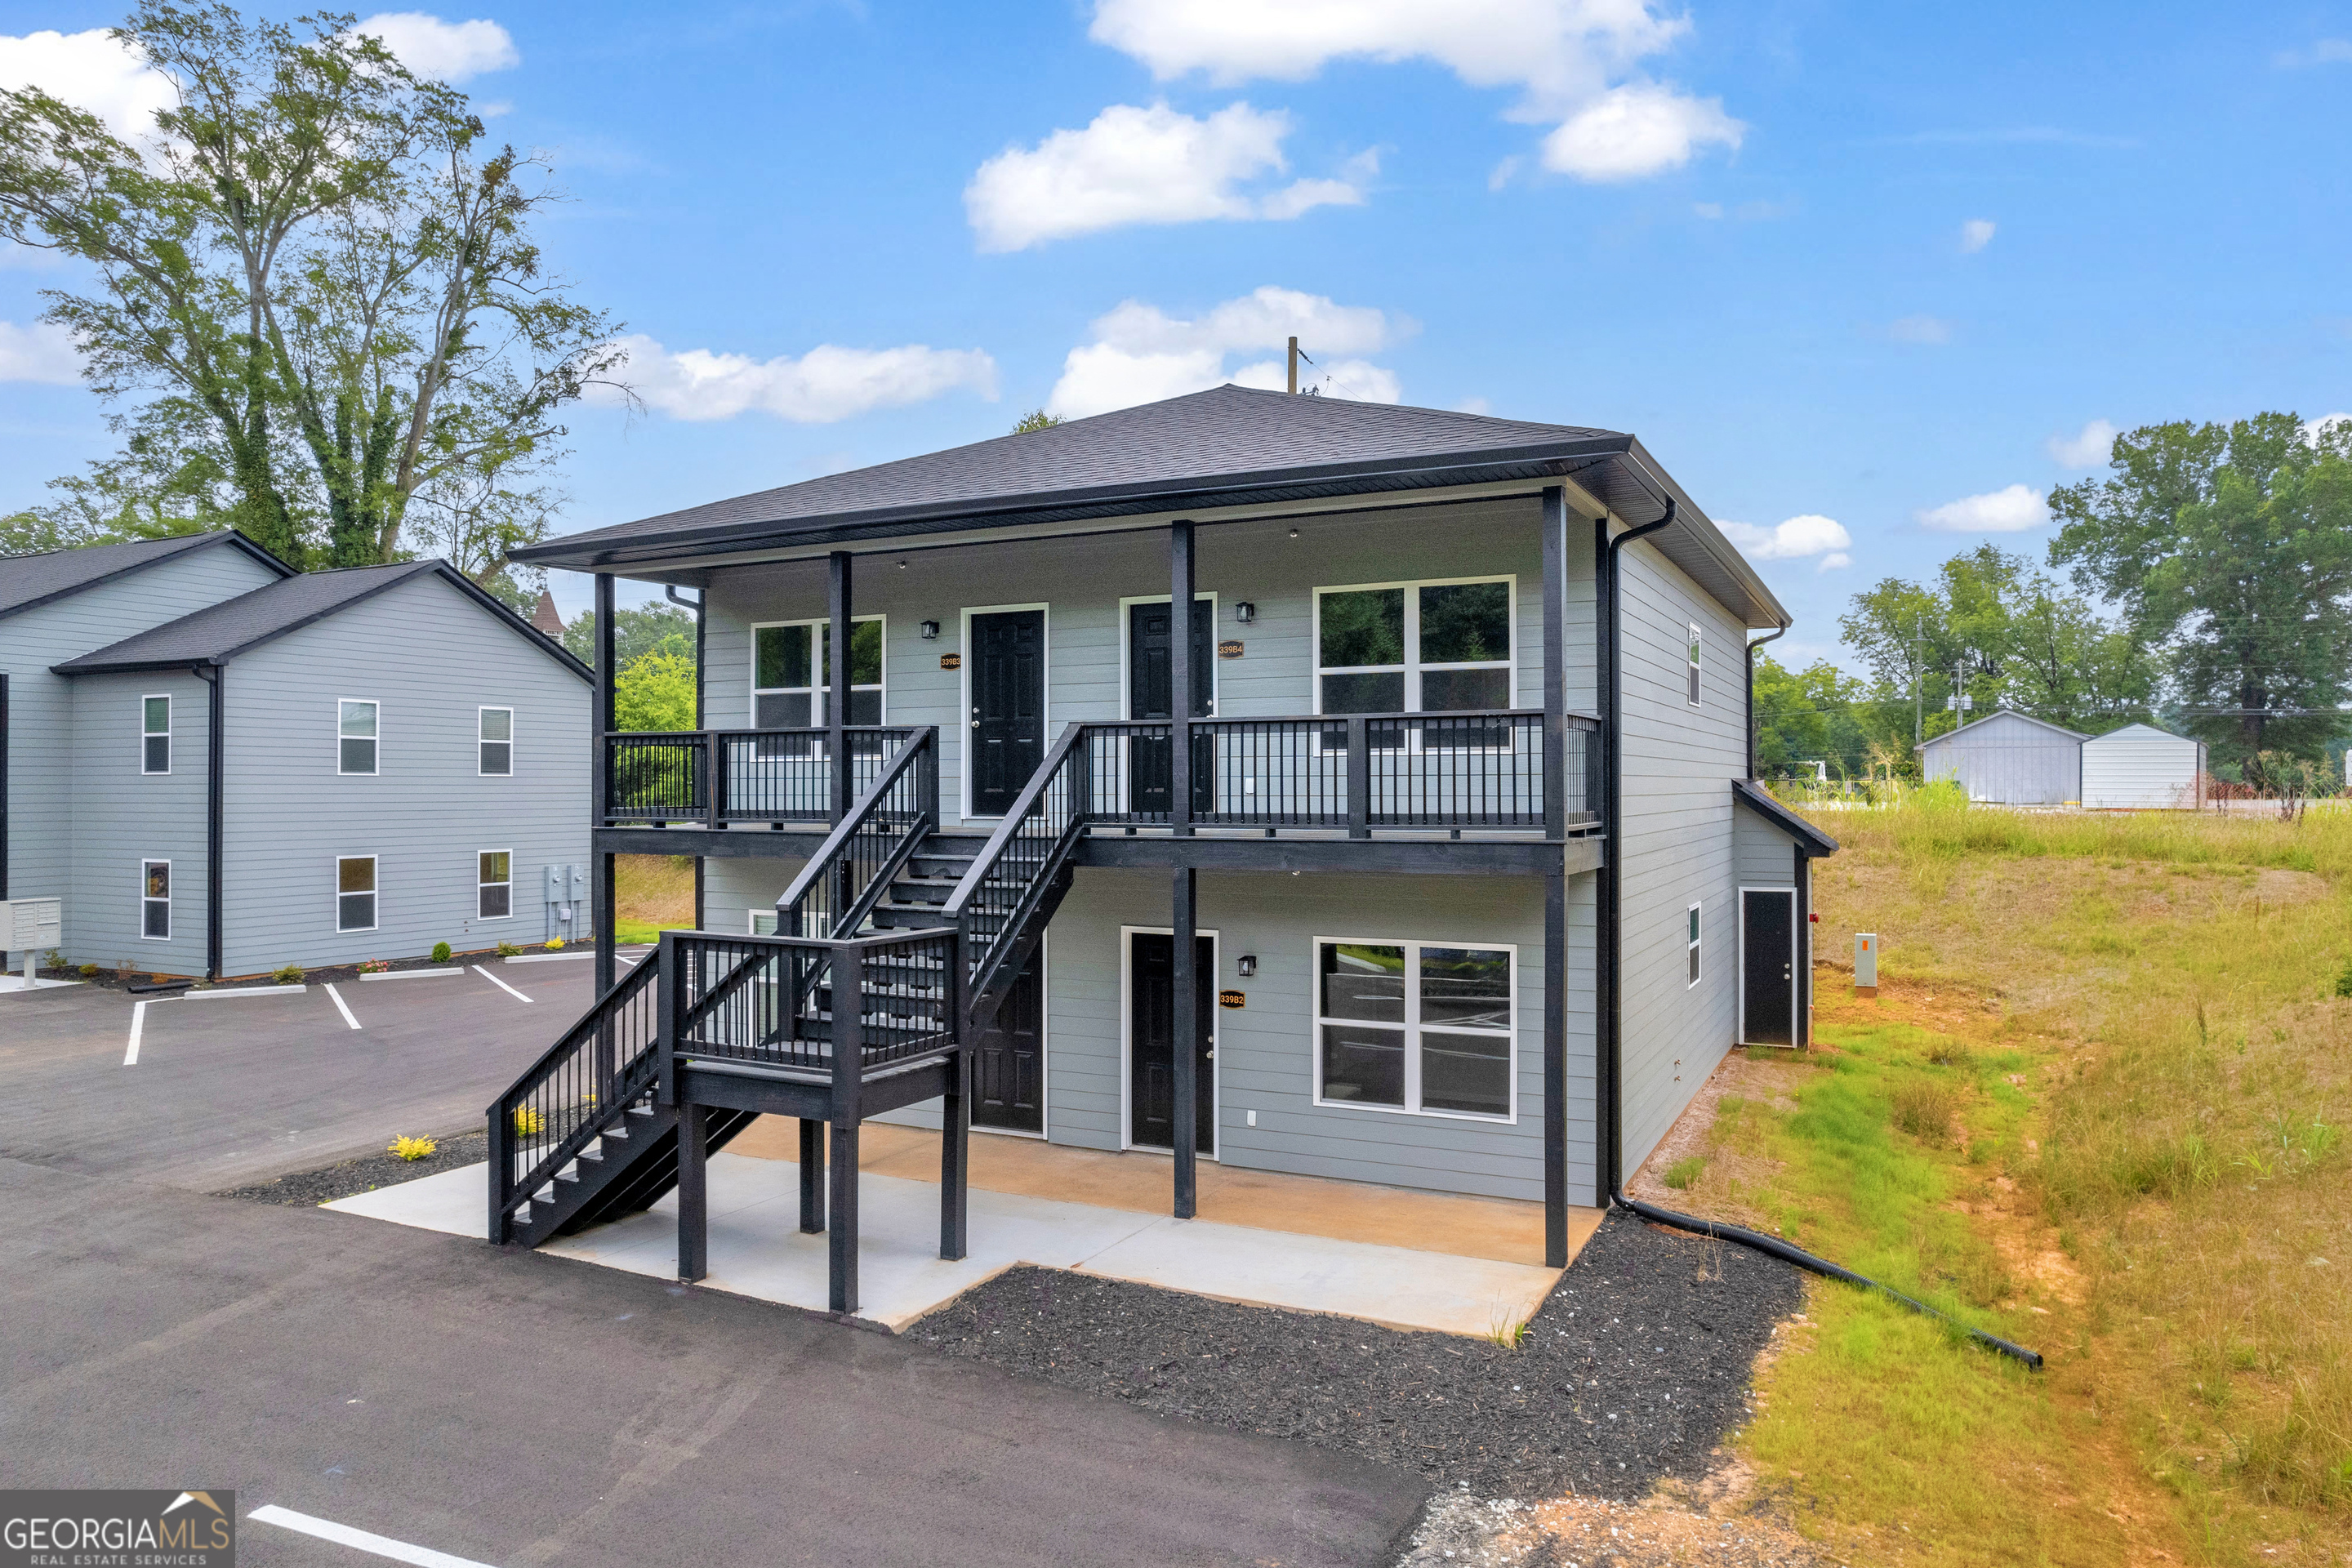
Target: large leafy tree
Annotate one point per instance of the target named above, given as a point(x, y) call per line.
point(2232, 546)
point(323, 288)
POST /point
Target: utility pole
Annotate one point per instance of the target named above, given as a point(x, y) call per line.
point(1918, 687)
point(1294, 367)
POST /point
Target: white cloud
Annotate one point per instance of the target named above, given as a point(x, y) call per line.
point(1810, 533)
point(92, 72)
point(445, 51)
point(2011, 509)
point(2090, 449)
point(1147, 165)
point(1836, 559)
point(2325, 52)
point(1573, 62)
point(39, 352)
point(1976, 234)
point(1711, 210)
point(1632, 131)
point(822, 386)
point(1920, 329)
point(1140, 353)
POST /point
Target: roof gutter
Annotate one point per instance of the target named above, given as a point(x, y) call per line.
point(216, 677)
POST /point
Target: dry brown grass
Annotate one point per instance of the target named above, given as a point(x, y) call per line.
point(654, 889)
point(2197, 1066)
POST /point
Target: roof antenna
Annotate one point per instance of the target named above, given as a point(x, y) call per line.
point(1294, 357)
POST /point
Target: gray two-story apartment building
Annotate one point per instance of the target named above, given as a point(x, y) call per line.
point(1422, 851)
point(222, 766)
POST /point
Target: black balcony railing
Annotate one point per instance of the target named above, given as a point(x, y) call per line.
point(761, 775)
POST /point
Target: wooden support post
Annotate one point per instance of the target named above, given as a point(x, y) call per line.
point(811, 1175)
point(1360, 778)
point(600, 724)
point(955, 1154)
point(1185, 1049)
point(693, 1196)
point(836, 712)
point(1555, 1067)
point(848, 1063)
point(1554, 524)
point(1181, 591)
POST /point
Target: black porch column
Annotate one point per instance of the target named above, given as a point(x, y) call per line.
point(600, 724)
point(1555, 662)
point(1184, 1047)
point(1180, 654)
point(837, 708)
point(955, 1152)
point(693, 1196)
point(1554, 1073)
point(848, 1062)
point(812, 1175)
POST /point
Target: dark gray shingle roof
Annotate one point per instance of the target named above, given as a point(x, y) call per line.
point(27, 581)
point(1758, 799)
point(218, 633)
point(1229, 446)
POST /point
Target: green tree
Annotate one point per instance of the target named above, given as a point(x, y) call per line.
point(329, 298)
point(636, 633)
point(656, 689)
point(1815, 714)
point(2231, 547)
point(1036, 419)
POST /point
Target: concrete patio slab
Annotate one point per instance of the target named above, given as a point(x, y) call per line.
point(758, 1249)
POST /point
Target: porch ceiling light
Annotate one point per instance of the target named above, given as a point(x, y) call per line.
point(931, 630)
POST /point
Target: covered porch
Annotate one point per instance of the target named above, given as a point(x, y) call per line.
point(1407, 1259)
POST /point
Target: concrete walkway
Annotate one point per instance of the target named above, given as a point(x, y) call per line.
point(757, 1249)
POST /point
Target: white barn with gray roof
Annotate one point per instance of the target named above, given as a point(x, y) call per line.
point(2007, 758)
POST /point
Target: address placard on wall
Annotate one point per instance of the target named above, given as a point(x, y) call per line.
point(951, 661)
point(1229, 649)
point(1231, 999)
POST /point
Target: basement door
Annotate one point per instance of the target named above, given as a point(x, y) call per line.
point(1008, 706)
point(1767, 966)
point(1008, 1067)
point(1151, 1040)
point(1150, 694)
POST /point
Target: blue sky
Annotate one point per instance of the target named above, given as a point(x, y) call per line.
point(1873, 268)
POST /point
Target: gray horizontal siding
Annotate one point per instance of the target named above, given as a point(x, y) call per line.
point(2008, 759)
point(123, 816)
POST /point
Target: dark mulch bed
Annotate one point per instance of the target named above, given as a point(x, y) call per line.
point(334, 973)
point(1632, 1371)
point(306, 1189)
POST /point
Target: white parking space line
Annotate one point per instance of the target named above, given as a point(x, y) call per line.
point(247, 991)
point(500, 983)
point(364, 1540)
point(411, 973)
point(340, 1006)
point(138, 1027)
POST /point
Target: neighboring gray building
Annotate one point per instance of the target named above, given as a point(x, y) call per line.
point(2008, 758)
point(396, 760)
point(2142, 768)
point(1479, 888)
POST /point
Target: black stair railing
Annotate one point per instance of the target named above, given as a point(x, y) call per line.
point(1009, 880)
point(852, 869)
point(576, 1091)
point(732, 999)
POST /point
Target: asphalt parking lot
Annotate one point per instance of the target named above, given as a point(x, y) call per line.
point(459, 1405)
point(232, 1087)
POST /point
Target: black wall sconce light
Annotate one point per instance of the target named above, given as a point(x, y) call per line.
point(1244, 612)
point(930, 631)
point(1247, 964)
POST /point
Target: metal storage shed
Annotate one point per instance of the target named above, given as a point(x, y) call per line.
point(2008, 759)
point(2142, 768)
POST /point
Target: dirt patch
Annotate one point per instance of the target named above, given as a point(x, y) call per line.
point(2277, 886)
point(1463, 1531)
point(1759, 1076)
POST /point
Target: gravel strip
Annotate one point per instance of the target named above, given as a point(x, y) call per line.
point(308, 1189)
point(1631, 1372)
point(1458, 1531)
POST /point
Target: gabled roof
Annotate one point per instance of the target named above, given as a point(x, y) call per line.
point(1226, 447)
point(27, 582)
point(218, 633)
point(2150, 729)
point(1997, 714)
point(1758, 799)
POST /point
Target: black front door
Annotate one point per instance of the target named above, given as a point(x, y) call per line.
point(1150, 694)
point(1008, 706)
point(1768, 968)
point(1151, 1034)
point(1008, 1069)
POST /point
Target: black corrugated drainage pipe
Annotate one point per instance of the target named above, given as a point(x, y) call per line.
point(1612, 1015)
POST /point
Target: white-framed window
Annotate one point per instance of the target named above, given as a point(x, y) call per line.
point(155, 735)
point(791, 673)
point(1693, 663)
point(494, 884)
point(355, 892)
point(355, 735)
point(1693, 913)
point(495, 728)
point(155, 900)
point(1439, 647)
point(1423, 1027)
